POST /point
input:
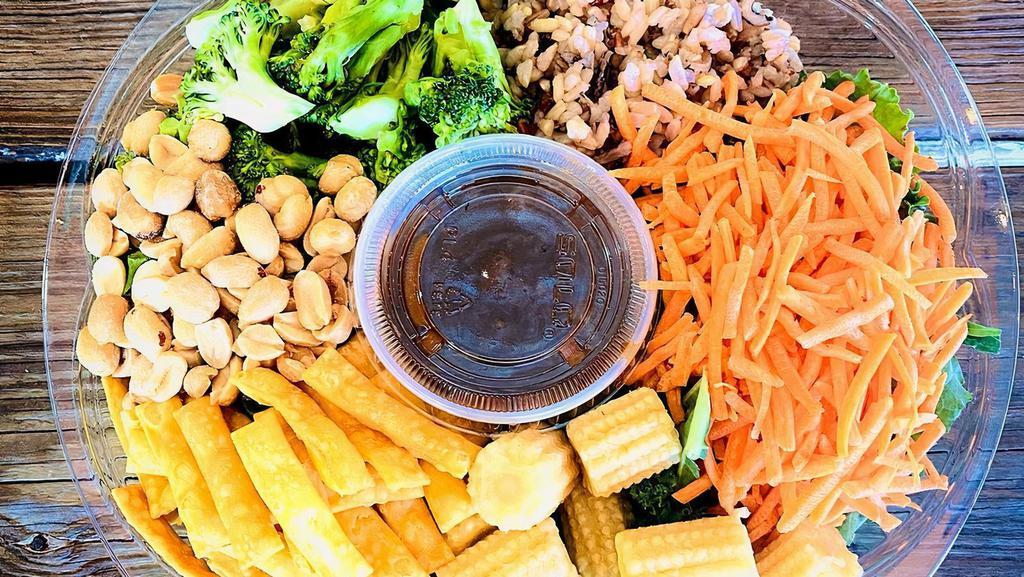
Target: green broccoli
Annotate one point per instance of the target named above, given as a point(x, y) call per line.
point(251, 159)
point(652, 503)
point(230, 78)
point(469, 93)
point(345, 30)
point(201, 26)
point(380, 113)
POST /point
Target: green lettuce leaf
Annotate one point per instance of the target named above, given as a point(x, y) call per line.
point(853, 522)
point(954, 398)
point(134, 261)
point(694, 431)
point(984, 339)
point(887, 101)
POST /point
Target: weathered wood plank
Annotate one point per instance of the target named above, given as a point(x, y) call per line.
point(43, 94)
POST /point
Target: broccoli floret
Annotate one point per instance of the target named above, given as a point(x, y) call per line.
point(251, 159)
point(346, 30)
point(230, 78)
point(469, 93)
point(652, 501)
point(380, 113)
point(201, 26)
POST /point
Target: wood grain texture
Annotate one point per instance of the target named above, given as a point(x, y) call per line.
point(55, 51)
point(44, 530)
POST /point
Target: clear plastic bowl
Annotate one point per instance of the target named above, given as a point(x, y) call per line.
point(888, 36)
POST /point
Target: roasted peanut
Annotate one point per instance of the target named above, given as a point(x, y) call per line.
point(323, 210)
point(265, 299)
point(355, 199)
point(106, 319)
point(99, 234)
point(147, 332)
point(233, 270)
point(164, 150)
point(106, 190)
point(191, 166)
point(136, 134)
point(275, 267)
point(217, 196)
point(217, 243)
point(139, 376)
point(166, 376)
point(108, 276)
point(140, 176)
point(222, 392)
point(228, 301)
point(257, 233)
point(238, 292)
point(124, 370)
point(293, 260)
point(291, 330)
point(312, 300)
point(259, 342)
point(99, 359)
point(323, 262)
point(184, 333)
point(173, 194)
point(135, 220)
point(214, 340)
point(340, 327)
point(293, 218)
point(338, 172)
point(272, 192)
point(161, 248)
point(192, 297)
point(149, 286)
point(198, 379)
point(191, 355)
point(210, 140)
point(165, 89)
point(290, 369)
point(120, 245)
point(188, 226)
point(332, 236)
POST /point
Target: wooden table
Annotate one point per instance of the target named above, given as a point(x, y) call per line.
point(51, 54)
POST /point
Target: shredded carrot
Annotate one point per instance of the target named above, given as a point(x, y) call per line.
point(823, 319)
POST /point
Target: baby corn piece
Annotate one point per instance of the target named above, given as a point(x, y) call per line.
point(624, 441)
point(711, 547)
point(342, 384)
point(158, 533)
point(467, 533)
point(537, 552)
point(590, 524)
point(809, 551)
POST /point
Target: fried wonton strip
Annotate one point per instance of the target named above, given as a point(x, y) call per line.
point(281, 564)
point(467, 533)
point(206, 532)
point(396, 466)
point(358, 352)
point(375, 495)
point(447, 498)
point(246, 518)
point(412, 522)
point(302, 513)
point(136, 446)
point(342, 384)
point(114, 390)
point(158, 495)
point(227, 566)
point(378, 544)
point(334, 456)
point(157, 533)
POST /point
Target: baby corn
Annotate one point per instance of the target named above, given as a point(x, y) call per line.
point(624, 441)
point(715, 546)
point(808, 552)
point(535, 552)
point(590, 524)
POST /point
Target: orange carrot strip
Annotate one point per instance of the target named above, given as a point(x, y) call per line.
point(693, 490)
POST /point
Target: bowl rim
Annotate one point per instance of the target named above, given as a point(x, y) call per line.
point(902, 12)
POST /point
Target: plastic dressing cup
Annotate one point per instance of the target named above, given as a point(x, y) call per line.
point(498, 279)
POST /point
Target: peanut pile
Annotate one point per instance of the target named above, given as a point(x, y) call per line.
point(225, 285)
